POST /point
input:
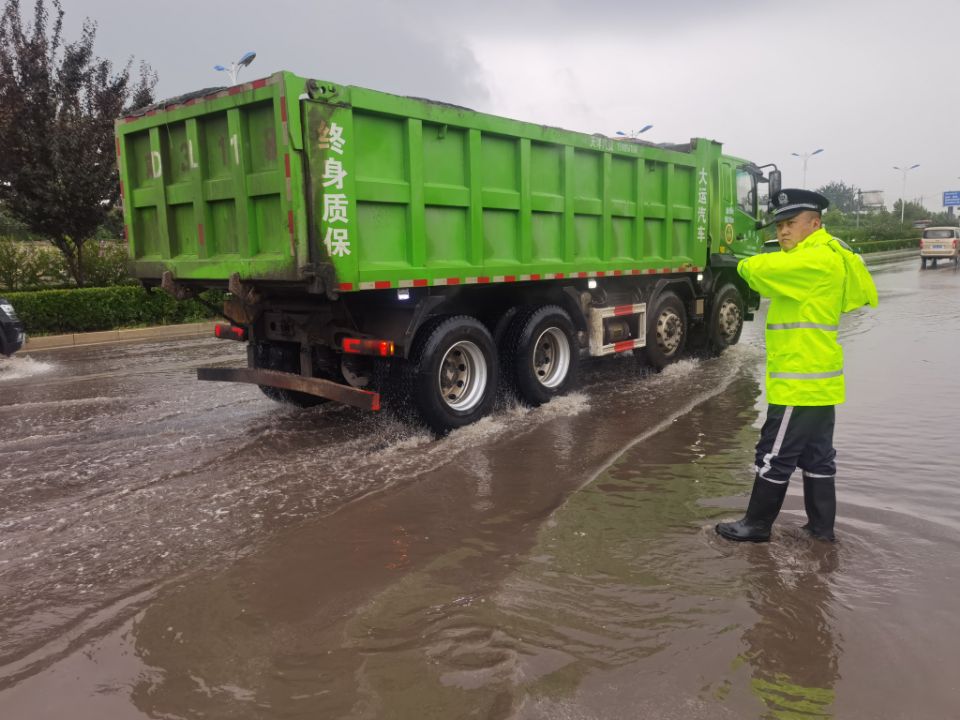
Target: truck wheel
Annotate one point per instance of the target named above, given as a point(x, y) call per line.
point(666, 331)
point(285, 358)
point(923, 263)
point(726, 319)
point(539, 354)
point(454, 373)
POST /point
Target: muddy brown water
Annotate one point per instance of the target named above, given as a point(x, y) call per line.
point(174, 549)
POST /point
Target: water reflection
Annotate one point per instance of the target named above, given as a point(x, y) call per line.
point(793, 648)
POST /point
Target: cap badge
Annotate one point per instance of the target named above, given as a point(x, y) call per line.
point(782, 198)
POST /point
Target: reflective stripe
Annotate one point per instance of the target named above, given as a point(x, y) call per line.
point(794, 206)
point(815, 475)
point(776, 482)
point(803, 326)
point(775, 450)
point(805, 376)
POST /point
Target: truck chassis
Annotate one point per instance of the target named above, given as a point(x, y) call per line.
point(443, 354)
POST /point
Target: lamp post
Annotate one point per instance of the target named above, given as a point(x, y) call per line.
point(805, 157)
point(633, 134)
point(903, 191)
point(235, 67)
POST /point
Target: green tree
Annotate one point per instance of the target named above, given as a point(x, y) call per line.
point(911, 211)
point(842, 197)
point(58, 103)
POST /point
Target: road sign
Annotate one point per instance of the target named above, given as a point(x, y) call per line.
point(951, 198)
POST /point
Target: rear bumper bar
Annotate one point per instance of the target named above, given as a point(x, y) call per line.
point(363, 399)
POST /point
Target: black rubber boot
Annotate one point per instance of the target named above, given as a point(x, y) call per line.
point(766, 499)
point(820, 501)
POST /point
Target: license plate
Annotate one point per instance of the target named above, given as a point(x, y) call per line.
point(936, 247)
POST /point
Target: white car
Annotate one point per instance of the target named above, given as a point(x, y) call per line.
point(938, 243)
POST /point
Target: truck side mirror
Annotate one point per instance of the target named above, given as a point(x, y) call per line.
point(776, 182)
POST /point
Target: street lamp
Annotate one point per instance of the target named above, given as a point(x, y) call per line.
point(903, 191)
point(805, 157)
point(235, 67)
point(633, 134)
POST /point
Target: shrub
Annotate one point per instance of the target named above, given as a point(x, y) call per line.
point(38, 266)
point(90, 309)
point(30, 266)
point(106, 264)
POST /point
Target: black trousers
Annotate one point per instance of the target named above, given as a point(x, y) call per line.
point(797, 436)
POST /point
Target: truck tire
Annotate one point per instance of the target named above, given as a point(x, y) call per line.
point(285, 358)
point(726, 319)
point(666, 331)
point(539, 354)
point(923, 263)
point(453, 373)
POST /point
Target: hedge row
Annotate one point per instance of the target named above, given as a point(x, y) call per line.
point(881, 245)
point(50, 312)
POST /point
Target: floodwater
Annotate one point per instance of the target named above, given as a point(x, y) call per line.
point(175, 549)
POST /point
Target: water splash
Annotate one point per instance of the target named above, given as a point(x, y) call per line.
point(23, 366)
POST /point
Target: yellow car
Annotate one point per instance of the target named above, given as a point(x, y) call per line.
point(938, 243)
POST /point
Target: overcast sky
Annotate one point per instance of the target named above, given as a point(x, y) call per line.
point(872, 83)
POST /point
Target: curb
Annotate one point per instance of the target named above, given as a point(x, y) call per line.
point(160, 332)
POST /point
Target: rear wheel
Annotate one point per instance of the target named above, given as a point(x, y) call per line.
point(453, 373)
point(539, 354)
point(285, 357)
point(666, 331)
point(923, 263)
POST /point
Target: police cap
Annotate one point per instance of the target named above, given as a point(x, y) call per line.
point(791, 201)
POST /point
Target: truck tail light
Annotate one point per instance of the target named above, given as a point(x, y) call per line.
point(365, 346)
point(230, 332)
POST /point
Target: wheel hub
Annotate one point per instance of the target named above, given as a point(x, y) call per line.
point(463, 376)
point(551, 357)
point(669, 331)
point(729, 319)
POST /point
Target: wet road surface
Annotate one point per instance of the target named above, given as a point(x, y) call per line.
point(175, 549)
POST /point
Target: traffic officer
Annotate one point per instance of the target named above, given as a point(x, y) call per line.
point(810, 283)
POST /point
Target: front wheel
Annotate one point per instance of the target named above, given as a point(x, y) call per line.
point(539, 354)
point(666, 331)
point(726, 319)
point(454, 373)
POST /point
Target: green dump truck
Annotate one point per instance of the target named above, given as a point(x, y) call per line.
point(374, 244)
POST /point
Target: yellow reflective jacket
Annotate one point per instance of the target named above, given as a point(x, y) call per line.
point(809, 287)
